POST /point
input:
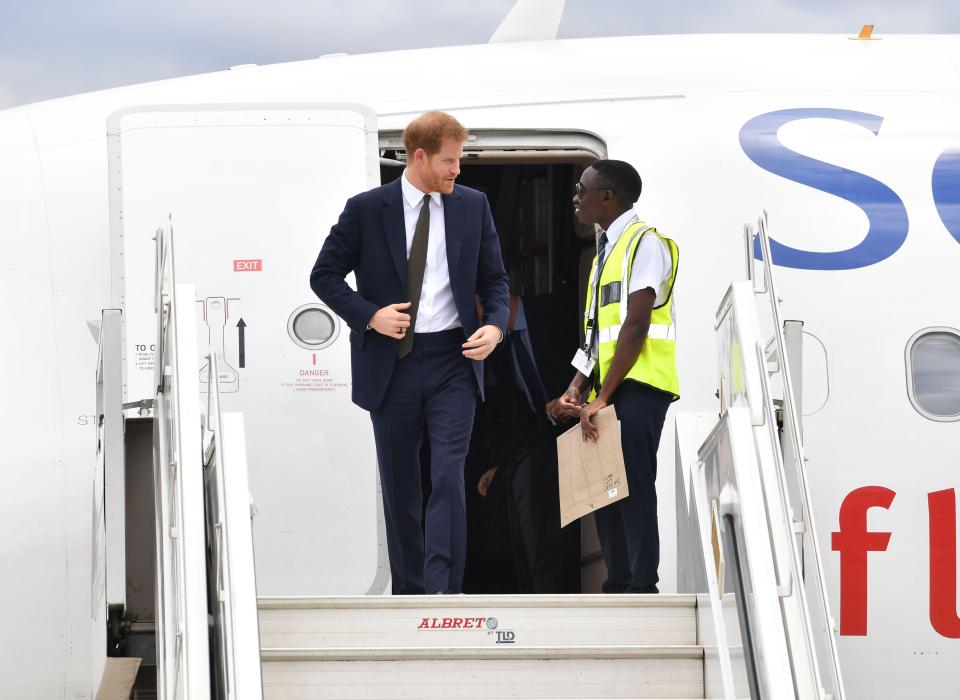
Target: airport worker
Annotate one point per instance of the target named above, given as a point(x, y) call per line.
point(628, 360)
point(422, 249)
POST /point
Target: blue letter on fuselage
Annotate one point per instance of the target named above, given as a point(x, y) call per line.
point(946, 189)
point(884, 209)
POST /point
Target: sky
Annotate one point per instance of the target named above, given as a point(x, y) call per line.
point(53, 48)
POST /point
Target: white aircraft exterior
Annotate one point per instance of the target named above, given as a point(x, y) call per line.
point(852, 146)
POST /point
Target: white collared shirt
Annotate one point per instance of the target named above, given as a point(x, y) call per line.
point(437, 310)
point(651, 265)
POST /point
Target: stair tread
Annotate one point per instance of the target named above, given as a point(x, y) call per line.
point(472, 601)
point(662, 651)
point(313, 647)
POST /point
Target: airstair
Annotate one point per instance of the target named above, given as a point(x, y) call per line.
point(746, 531)
point(201, 626)
point(478, 647)
point(752, 620)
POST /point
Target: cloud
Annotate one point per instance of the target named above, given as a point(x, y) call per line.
point(61, 47)
point(584, 18)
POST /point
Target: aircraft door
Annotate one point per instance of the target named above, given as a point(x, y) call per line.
point(251, 191)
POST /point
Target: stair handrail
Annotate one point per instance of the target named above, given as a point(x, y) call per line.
point(791, 423)
point(232, 578)
point(181, 617)
point(110, 447)
point(738, 310)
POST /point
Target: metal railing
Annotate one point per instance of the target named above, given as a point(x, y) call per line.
point(232, 581)
point(820, 632)
point(203, 516)
point(183, 668)
point(748, 507)
point(110, 447)
point(769, 616)
point(108, 574)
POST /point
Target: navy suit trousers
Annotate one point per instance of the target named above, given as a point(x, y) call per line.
point(433, 385)
point(628, 531)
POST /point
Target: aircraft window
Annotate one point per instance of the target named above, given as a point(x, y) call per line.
point(933, 373)
point(313, 326)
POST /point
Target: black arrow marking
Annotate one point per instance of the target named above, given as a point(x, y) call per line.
point(241, 326)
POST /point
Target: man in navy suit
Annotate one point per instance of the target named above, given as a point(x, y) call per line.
point(423, 250)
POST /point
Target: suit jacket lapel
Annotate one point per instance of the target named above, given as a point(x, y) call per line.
point(395, 229)
point(452, 225)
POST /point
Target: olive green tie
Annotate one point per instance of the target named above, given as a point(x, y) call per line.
point(416, 264)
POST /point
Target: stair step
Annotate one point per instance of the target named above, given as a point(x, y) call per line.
point(470, 621)
point(561, 600)
point(475, 673)
point(487, 653)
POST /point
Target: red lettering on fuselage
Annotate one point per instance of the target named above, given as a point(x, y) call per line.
point(853, 541)
point(943, 563)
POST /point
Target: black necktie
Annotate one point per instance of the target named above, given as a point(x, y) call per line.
point(416, 264)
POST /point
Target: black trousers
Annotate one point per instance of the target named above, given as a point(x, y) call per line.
point(628, 531)
point(434, 385)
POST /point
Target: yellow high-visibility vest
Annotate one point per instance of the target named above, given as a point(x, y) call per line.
point(656, 364)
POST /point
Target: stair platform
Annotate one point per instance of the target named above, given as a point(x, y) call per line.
point(467, 621)
point(579, 647)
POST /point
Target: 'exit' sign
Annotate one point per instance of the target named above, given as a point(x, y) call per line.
point(247, 265)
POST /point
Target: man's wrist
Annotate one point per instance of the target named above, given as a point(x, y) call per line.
point(491, 325)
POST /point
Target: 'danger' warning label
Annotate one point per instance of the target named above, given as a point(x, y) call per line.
point(315, 379)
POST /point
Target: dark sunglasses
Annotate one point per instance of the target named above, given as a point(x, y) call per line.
point(580, 191)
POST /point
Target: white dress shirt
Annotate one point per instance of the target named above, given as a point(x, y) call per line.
point(651, 265)
point(437, 310)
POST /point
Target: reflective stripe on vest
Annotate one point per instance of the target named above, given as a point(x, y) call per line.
point(659, 331)
point(656, 363)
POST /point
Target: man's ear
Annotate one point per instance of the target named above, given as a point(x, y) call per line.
point(420, 156)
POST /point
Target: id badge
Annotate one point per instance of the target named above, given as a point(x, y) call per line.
point(583, 363)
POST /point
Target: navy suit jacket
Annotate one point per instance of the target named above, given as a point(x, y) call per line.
point(370, 240)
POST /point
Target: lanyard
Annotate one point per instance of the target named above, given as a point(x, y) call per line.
point(593, 312)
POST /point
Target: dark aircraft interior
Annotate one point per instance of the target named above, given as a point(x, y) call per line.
point(515, 542)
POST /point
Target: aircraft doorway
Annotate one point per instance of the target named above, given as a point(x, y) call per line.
point(515, 543)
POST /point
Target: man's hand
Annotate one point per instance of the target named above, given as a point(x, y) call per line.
point(391, 321)
point(587, 412)
point(483, 486)
point(481, 343)
point(565, 406)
